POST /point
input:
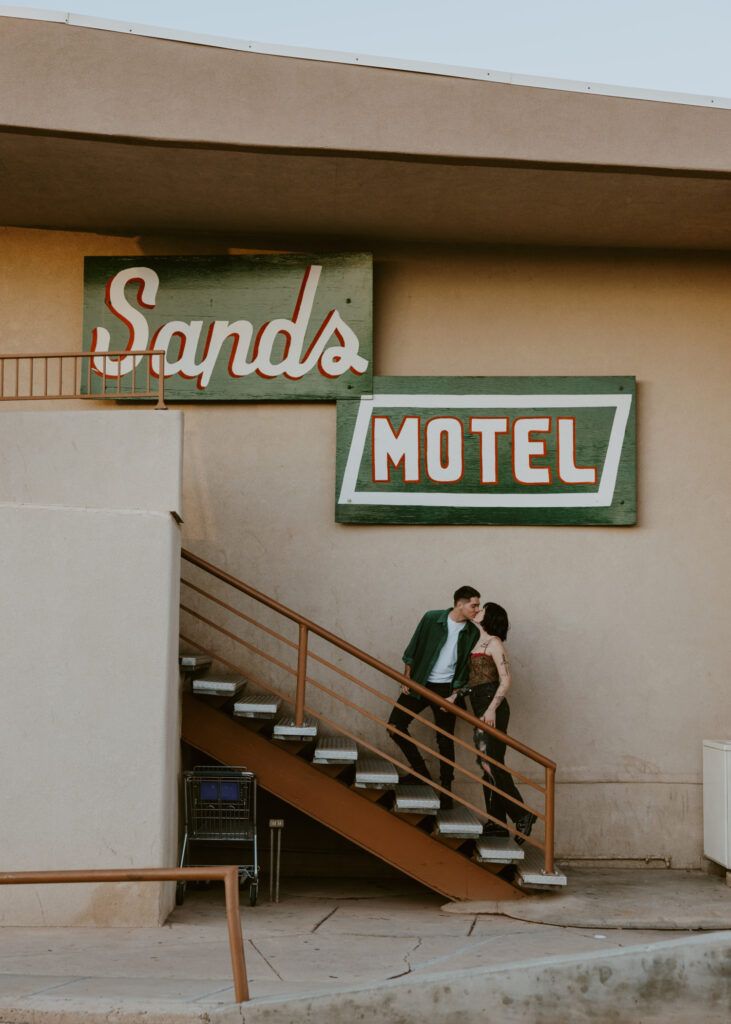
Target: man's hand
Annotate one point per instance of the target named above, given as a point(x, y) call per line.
point(405, 690)
point(452, 697)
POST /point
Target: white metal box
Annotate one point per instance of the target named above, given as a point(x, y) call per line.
point(717, 801)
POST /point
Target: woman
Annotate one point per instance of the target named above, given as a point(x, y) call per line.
point(489, 682)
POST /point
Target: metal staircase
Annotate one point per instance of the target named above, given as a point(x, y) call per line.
point(331, 774)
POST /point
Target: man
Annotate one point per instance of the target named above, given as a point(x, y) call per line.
point(438, 657)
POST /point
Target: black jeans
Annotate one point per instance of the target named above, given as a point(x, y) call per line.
point(496, 804)
point(401, 719)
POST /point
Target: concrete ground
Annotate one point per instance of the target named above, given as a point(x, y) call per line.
point(333, 938)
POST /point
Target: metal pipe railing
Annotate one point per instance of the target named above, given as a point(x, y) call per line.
point(66, 383)
point(376, 750)
point(226, 873)
point(306, 626)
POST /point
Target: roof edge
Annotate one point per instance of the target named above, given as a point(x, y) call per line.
point(364, 60)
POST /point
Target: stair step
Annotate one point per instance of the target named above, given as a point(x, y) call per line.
point(335, 750)
point(530, 872)
point(221, 684)
point(458, 822)
point(416, 798)
point(257, 705)
point(375, 773)
point(498, 850)
point(194, 662)
point(285, 728)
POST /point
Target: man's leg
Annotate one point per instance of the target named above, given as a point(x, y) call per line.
point(401, 719)
point(445, 744)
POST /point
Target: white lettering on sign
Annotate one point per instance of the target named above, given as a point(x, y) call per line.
point(488, 428)
point(568, 471)
point(330, 360)
point(444, 454)
point(392, 448)
point(525, 448)
point(442, 444)
point(443, 439)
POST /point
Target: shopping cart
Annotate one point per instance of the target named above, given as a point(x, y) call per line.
point(220, 807)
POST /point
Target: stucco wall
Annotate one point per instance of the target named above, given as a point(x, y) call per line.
point(89, 556)
point(618, 648)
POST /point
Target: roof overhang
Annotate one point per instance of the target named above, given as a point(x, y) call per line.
point(126, 134)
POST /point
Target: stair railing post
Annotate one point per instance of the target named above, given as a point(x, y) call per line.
point(550, 787)
point(299, 706)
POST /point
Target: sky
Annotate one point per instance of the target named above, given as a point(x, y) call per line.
point(667, 45)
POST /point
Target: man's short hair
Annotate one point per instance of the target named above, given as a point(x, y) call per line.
point(465, 594)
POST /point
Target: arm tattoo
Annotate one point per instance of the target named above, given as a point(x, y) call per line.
point(503, 687)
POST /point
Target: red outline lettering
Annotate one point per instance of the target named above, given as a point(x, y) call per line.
point(454, 419)
point(389, 461)
point(571, 483)
point(490, 419)
point(535, 455)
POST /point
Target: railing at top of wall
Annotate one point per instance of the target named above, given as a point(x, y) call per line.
point(304, 680)
point(52, 375)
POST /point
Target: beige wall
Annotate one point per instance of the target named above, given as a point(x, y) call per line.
point(618, 640)
point(89, 556)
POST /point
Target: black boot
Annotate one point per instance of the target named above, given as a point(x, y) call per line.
point(524, 824)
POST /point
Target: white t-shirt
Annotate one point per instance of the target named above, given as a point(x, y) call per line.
point(446, 663)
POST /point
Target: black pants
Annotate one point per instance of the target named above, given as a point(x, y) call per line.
point(497, 804)
point(400, 719)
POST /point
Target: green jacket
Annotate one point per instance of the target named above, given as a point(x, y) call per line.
point(429, 638)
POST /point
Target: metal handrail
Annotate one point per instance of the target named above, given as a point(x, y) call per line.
point(50, 381)
point(335, 668)
point(376, 750)
point(307, 626)
point(226, 873)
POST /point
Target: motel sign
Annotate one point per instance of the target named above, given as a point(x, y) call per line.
point(534, 450)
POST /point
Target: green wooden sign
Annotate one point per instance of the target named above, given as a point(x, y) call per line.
point(489, 450)
point(233, 327)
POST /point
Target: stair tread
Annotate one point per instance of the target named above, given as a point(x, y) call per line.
point(257, 703)
point(196, 662)
point(222, 684)
point(458, 821)
point(530, 870)
point(498, 849)
point(285, 728)
point(336, 749)
point(416, 798)
point(368, 824)
point(375, 771)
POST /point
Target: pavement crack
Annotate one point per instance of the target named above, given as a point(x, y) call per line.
point(409, 967)
point(325, 918)
point(266, 961)
point(472, 926)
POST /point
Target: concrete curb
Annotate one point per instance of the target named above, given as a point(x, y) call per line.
point(672, 982)
point(577, 913)
point(677, 981)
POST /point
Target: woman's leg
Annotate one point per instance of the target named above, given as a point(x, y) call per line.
point(524, 820)
point(480, 699)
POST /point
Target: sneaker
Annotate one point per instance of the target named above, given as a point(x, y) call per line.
point(524, 824)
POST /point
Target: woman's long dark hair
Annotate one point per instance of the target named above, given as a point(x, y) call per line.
point(495, 621)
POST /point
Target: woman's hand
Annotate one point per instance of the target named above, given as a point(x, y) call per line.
point(489, 717)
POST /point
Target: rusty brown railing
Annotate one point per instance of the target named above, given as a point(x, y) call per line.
point(226, 873)
point(50, 376)
point(306, 626)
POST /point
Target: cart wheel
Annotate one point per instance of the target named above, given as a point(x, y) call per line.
point(180, 894)
point(253, 893)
